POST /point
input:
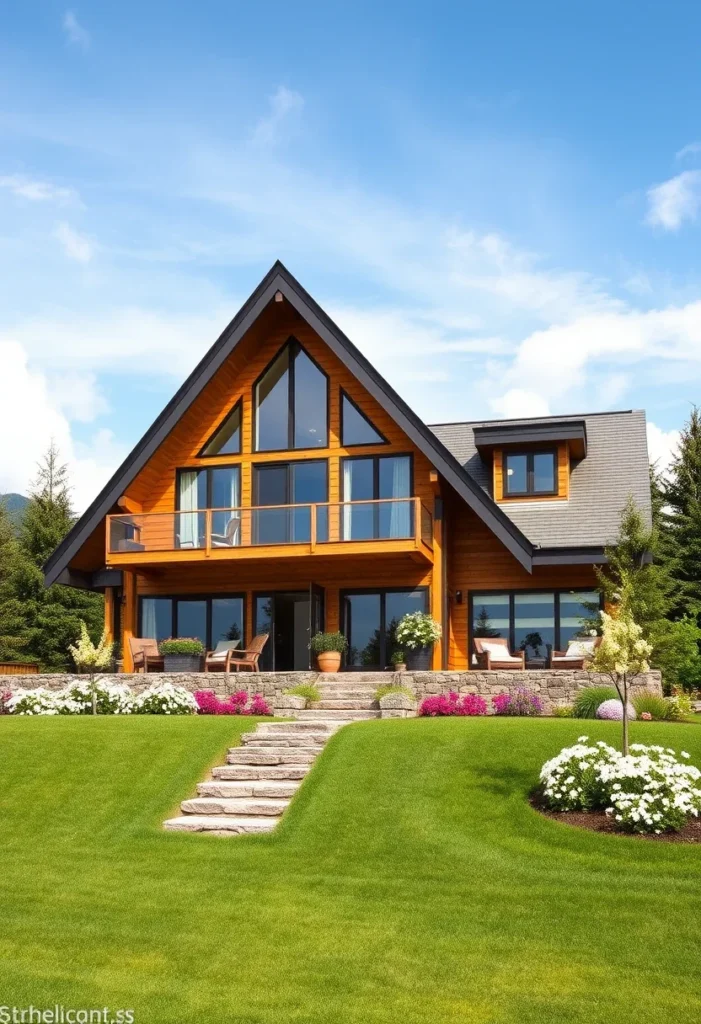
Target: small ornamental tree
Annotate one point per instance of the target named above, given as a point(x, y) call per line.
point(623, 653)
point(90, 658)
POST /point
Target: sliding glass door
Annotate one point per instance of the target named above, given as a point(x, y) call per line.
point(370, 620)
point(368, 479)
point(218, 488)
point(209, 619)
point(285, 484)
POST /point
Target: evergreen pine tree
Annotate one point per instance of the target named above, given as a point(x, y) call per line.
point(52, 616)
point(680, 519)
point(13, 637)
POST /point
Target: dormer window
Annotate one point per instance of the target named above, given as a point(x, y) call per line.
point(529, 474)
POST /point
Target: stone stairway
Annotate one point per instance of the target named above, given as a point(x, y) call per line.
point(250, 793)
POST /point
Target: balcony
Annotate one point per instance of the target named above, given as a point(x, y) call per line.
point(351, 527)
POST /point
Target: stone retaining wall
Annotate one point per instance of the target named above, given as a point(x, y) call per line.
point(553, 687)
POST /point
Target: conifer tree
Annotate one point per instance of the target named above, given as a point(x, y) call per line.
point(680, 519)
point(12, 624)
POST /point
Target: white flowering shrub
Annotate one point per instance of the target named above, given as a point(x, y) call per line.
point(648, 790)
point(110, 698)
point(89, 657)
point(165, 699)
point(36, 702)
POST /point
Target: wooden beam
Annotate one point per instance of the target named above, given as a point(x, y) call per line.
point(127, 504)
point(128, 617)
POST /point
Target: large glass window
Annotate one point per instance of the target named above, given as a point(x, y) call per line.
point(533, 621)
point(218, 488)
point(226, 440)
point(530, 473)
point(368, 479)
point(291, 403)
point(289, 484)
point(210, 619)
point(534, 624)
point(356, 428)
point(370, 623)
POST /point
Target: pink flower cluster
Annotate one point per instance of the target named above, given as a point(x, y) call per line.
point(5, 696)
point(453, 704)
point(522, 703)
point(236, 704)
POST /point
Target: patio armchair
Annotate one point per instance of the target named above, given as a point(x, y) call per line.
point(248, 659)
point(231, 536)
point(493, 653)
point(219, 660)
point(145, 654)
point(579, 653)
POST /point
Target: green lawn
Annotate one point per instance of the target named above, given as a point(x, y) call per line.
point(410, 882)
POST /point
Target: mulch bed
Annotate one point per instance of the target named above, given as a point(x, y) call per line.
point(598, 821)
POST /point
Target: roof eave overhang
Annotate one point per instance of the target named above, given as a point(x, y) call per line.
point(278, 279)
point(569, 556)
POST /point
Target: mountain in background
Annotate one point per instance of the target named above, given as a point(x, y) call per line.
point(15, 504)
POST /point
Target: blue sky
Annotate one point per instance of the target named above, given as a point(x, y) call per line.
point(497, 202)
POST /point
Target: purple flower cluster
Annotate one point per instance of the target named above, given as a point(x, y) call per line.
point(613, 710)
point(522, 703)
point(453, 704)
point(237, 704)
point(5, 696)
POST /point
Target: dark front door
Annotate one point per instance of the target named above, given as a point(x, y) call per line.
point(290, 617)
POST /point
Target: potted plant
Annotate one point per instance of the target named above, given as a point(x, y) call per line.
point(418, 632)
point(399, 661)
point(182, 654)
point(328, 648)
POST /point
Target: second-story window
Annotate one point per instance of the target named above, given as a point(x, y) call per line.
point(530, 473)
point(370, 483)
point(291, 403)
point(218, 488)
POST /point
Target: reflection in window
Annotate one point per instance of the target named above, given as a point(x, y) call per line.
point(291, 403)
point(156, 617)
point(227, 620)
point(377, 477)
point(356, 427)
point(370, 624)
point(490, 615)
point(578, 612)
point(227, 438)
point(534, 624)
point(530, 473)
point(191, 619)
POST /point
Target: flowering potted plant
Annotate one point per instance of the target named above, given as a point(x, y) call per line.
point(328, 648)
point(182, 654)
point(398, 659)
point(418, 632)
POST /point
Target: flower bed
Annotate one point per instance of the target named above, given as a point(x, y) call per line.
point(237, 704)
point(647, 791)
point(453, 704)
point(110, 699)
point(522, 703)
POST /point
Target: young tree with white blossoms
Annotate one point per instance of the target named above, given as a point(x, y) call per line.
point(623, 653)
point(90, 658)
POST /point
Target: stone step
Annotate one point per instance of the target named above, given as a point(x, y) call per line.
point(292, 726)
point(348, 692)
point(220, 825)
point(278, 790)
point(351, 678)
point(297, 740)
point(272, 755)
point(250, 807)
point(352, 703)
point(249, 772)
point(339, 715)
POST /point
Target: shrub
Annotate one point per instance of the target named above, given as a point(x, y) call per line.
point(612, 710)
point(523, 703)
point(563, 711)
point(417, 629)
point(587, 701)
point(323, 643)
point(309, 691)
point(89, 657)
point(649, 703)
point(452, 704)
point(181, 645)
point(5, 697)
point(236, 704)
point(679, 706)
point(648, 790)
point(398, 657)
point(110, 699)
point(35, 702)
point(387, 688)
point(165, 699)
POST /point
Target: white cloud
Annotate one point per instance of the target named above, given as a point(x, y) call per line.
point(690, 150)
point(37, 191)
point(518, 402)
point(283, 103)
point(76, 246)
point(76, 35)
point(674, 201)
point(31, 415)
point(661, 446)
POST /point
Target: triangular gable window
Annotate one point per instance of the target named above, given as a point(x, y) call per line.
point(226, 439)
point(356, 428)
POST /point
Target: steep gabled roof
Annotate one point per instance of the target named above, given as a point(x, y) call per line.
point(280, 279)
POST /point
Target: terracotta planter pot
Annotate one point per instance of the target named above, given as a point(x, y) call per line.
point(329, 661)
